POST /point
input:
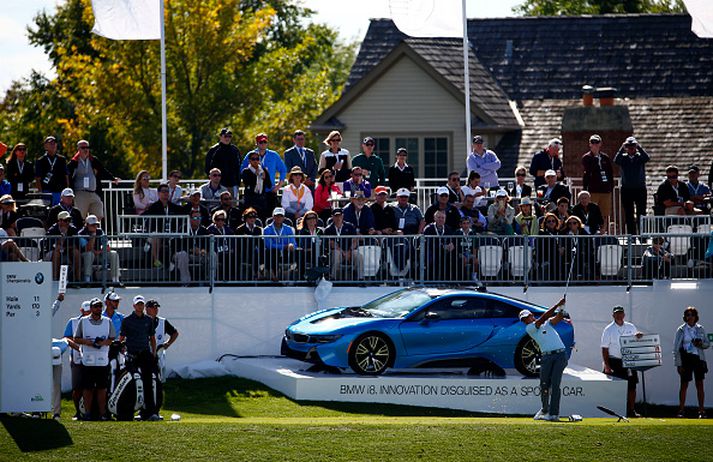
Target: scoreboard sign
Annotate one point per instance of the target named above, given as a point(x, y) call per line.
point(641, 353)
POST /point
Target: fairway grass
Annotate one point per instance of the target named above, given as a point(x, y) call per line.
point(236, 419)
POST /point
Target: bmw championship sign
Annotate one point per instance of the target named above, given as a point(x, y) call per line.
point(25, 337)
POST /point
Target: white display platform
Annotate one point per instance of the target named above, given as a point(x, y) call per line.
point(582, 388)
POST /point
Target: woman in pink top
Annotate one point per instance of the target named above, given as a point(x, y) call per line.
point(325, 187)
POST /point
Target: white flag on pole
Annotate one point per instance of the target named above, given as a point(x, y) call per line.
point(127, 19)
point(702, 14)
point(428, 18)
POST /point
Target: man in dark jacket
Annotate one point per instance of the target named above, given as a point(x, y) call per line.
point(598, 177)
point(631, 159)
point(51, 171)
point(547, 159)
point(226, 157)
point(66, 203)
point(303, 157)
point(85, 174)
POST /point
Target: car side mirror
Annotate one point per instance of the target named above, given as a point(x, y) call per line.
point(431, 316)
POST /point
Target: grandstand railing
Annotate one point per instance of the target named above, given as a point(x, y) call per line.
point(180, 259)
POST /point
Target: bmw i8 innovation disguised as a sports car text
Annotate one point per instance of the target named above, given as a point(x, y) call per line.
point(421, 327)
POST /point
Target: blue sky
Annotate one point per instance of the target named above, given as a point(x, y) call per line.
point(350, 17)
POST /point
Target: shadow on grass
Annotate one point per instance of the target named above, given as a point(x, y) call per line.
point(391, 410)
point(32, 435)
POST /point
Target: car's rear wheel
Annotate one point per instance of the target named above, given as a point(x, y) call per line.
point(528, 357)
point(371, 354)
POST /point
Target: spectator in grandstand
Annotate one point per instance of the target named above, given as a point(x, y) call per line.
point(111, 309)
point(194, 205)
point(51, 171)
point(75, 357)
point(440, 250)
point(699, 193)
point(211, 191)
point(94, 244)
point(144, 195)
point(251, 248)
point(232, 213)
point(455, 192)
point(272, 163)
point(384, 217)
point(223, 247)
point(5, 186)
point(94, 334)
point(342, 250)
point(479, 223)
point(467, 249)
point(20, 173)
point(585, 254)
point(63, 246)
point(192, 248)
point(359, 215)
point(308, 232)
point(336, 158)
point(501, 215)
point(296, 196)
point(589, 213)
point(9, 251)
point(598, 177)
point(671, 195)
point(612, 359)
point(547, 159)
point(443, 203)
point(549, 192)
point(257, 181)
point(549, 253)
point(280, 244)
point(175, 192)
point(302, 157)
point(631, 159)
point(485, 162)
point(370, 163)
point(521, 189)
point(689, 357)
point(526, 221)
point(472, 188)
point(409, 219)
point(225, 156)
point(656, 261)
point(401, 174)
point(562, 211)
point(66, 204)
point(160, 223)
point(357, 183)
point(326, 189)
point(86, 173)
point(8, 214)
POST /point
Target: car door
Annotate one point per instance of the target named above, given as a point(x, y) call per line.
point(492, 314)
point(446, 326)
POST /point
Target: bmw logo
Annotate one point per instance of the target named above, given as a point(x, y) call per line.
point(39, 278)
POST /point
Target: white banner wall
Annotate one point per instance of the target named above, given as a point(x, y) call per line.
point(251, 320)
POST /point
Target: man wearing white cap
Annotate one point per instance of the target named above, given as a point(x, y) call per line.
point(501, 214)
point(279, 241)
point(554, 357)
point(111, 309)
point(64, 245)
point(66, 203)
point(93, 243)
point(547, 159)
point(552, 189)
point(409, 219)
point(444, 205)
point(139, 332)
point(76, 356)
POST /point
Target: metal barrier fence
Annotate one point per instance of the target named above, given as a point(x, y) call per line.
point(683, 224)
point(182, 259)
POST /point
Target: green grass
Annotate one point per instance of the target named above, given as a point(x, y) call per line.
point(233, 419)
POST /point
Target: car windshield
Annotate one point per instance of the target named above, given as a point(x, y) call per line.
point(398, 304)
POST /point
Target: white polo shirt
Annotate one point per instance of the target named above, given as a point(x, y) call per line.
point(611, 334)
point(546, 336)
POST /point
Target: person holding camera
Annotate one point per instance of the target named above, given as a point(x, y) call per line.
point(689, 357)
point(94, 335)
point(554, 357)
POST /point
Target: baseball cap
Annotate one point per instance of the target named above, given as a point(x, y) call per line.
point(95, 301)
point(443, 190)
point(195, 191)
point(63, 215)
point(381, 190)
point(694, 168)
point(337, 211)
point(556, 141)
point(403, 192)
point(501, 193)
point(358, 195)
point(524, 314)
point(8, 200)
point(368, 139)
point(278, 211)
point(153, 304)
point(224, 193)
point(139, 299)
point(113, 296)
point(550, 172)
point(92, 220)
point(525, 201)
point(226, 131)
point(596, 138)
point(85, 305)
point(477, 139)
point(50, 138)
point(261, 137)
point(67, 192)
point(631, 140)
point(617, 309)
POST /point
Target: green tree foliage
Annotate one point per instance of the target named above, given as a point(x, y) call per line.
point(251, 64)
point(579, 7)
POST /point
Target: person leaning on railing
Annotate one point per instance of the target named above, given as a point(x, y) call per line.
point(63, 247)
point(93, 243)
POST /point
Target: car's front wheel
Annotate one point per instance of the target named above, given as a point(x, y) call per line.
point(371, 354)
point(528, 357)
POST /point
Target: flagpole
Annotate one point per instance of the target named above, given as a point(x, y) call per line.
point(164, 135)
point(466, 76)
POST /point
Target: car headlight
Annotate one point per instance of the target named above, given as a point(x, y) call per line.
point(324, 338)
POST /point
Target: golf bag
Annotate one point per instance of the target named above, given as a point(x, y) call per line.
point(127, 394)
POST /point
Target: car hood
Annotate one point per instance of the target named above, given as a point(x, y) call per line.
point(332, 320)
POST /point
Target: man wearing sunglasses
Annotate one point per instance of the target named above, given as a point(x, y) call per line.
point(370, 163)
point(672, 195)
point(225, 156)
point(272, 162)
point(86, 173)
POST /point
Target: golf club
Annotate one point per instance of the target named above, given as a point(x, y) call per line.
point(571, 267)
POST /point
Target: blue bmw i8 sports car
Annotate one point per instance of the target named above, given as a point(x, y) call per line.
point(421, 327)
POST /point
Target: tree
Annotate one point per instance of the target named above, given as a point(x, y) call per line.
point(580, 7)
point(250, 64)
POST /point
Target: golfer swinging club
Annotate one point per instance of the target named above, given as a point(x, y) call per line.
point(554, 357)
